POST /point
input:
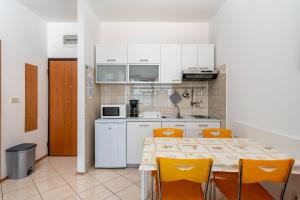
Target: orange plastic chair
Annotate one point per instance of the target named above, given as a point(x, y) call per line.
point(217, 133)
point(182, 178)
point(168, 132)
point(164, 132)
point(247, 185)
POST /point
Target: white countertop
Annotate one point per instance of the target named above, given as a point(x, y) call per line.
point(173, 119)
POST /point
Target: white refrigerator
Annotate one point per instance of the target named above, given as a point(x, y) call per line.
point(110, 143)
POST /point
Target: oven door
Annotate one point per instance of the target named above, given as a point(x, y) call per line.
point(111, 112)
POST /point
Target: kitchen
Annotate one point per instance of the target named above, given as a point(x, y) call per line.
point(142, 83)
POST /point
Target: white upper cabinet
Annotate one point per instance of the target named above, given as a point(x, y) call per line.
point(143, 53)
point(189, 56)
point(206, 56)
point(170, 63)
point(111, 53)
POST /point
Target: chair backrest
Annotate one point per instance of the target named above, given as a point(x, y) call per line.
point(217, 133)
point(194, 170)
point(255, 171)
point(168, 132)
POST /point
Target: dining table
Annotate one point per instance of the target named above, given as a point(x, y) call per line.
point(226, 153)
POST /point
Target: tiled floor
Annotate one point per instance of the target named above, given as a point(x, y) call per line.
point(55, 178)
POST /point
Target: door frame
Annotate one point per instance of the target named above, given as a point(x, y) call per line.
point(48, 72)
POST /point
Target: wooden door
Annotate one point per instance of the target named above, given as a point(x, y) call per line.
point(63, 107)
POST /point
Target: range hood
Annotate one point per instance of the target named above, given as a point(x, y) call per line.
point(198, 75)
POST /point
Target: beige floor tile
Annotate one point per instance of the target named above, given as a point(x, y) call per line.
point(27, 192)
point(99, 192)
point(59, 193)
point(114, 197)
point(83, 184)
point(133, 176)
point(117, 184)
point(125, 171)
point(105, 176)
point(50, 184)
point(130, 193)
point(11, 185)
point(74, 197)
point(44, 175)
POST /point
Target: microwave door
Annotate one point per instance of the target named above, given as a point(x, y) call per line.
point(111, 112)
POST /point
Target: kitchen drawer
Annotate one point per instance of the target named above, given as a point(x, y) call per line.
point(173, 125)
point(201, 125)
point(193, 133)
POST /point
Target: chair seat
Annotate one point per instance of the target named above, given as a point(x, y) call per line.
point(180, 190)
point(229, 188)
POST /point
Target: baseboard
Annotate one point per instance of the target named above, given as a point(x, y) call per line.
point(41, 158)
point(286, 144)
point(3, 179)
point(80, 173)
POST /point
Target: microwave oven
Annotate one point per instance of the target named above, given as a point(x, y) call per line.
point(113, 111)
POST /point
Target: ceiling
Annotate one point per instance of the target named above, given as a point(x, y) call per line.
point(128, 10)
point(155, 10)
point(53, 10)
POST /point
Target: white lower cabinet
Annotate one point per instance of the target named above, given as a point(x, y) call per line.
point(173, 125)
point(194, 129)
point(136, 133)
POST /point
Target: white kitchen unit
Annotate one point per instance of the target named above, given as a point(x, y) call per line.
point(144, 53)
point(206, 57)
point(170, 63)
point(111, 53)
point(194, 129)
point(110, 143)
point(111, 73)
point(136, 133)
point(175, 124)
point(189, 56)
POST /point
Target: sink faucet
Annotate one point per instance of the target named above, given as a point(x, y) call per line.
point(178, 111)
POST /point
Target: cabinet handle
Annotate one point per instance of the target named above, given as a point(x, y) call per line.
point(144, 60)
point(192, 68)
point(179, 125)
point(203, 125)
point(144, 125)
point(175, 80)
point(111, 60)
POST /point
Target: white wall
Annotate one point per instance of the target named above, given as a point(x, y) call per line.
point(56, 48)
point(88, 27)
point(24, 40)
point(259, 41)
point(148, 32)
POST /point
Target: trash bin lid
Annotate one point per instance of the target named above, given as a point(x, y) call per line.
point(21, 147)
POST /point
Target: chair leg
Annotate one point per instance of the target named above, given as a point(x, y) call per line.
point(210, 189)
point(214, 191)
point(152, 187)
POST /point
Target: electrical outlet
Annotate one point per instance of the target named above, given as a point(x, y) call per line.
point(294, 195)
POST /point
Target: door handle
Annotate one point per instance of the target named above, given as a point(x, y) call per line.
point(144, 125)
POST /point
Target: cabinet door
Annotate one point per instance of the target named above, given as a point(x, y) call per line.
point(112, 73)
point(111, 53)
point(148, 73)
point(143, 53)
point(194, 129)
point(206, 58)
point(189, 57)
point(170, 66)
point(180, 125)
point(136, 133)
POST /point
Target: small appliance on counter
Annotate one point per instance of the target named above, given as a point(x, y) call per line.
point(134, 108)
point(113, 111)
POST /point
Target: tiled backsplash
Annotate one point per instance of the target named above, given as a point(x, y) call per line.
point(217, 96)
point(156, 97)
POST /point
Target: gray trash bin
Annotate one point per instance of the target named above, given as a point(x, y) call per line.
point(20, 160)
